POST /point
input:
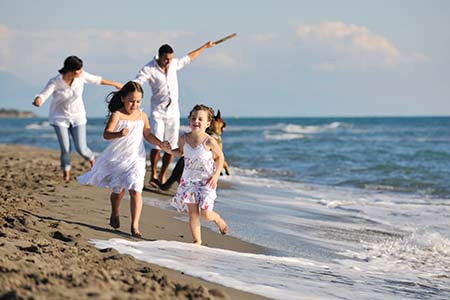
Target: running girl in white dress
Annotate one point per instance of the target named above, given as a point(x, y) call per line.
point(203, 161)
point(121, 166)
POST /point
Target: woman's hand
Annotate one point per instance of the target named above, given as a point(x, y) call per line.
point(37, 101)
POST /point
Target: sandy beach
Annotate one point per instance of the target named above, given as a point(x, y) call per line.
point(46, 225)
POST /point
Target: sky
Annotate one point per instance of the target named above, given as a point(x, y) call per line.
point(290, 58)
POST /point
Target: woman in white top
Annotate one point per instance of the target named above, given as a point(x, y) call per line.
point(67, 114)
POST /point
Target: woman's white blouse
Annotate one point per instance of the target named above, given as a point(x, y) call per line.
point(67, 106)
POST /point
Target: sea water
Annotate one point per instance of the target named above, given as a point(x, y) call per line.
point(347, 207)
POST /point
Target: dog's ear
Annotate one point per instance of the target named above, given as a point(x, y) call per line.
point(218, 114)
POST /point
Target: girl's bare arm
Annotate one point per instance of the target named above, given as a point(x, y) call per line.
point(109, 133)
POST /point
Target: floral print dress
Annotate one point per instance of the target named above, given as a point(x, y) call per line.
point(199, 167)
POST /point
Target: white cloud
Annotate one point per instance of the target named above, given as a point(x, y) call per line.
point(264, 37)
point(220, 59)
point(352, 46)
point(36, 54)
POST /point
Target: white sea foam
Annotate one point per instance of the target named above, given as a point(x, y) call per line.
point(335, 204)
point(271, 276)
point(283, 137)
point(424, 252)
point(294, 131)
point(360, 235)
point(287, 277)
point(293, 128)
point(39, 126)
point(290, 128)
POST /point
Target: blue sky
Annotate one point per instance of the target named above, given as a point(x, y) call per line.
point(291, 58)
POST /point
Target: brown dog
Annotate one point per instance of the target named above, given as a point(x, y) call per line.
point(215, 130)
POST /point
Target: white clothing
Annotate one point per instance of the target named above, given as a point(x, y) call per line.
point(166, 129)
point(122, 164)
point(67, 107)
point(164, 100)
point(199, 167)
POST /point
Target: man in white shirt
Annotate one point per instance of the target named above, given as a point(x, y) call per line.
point(161, 74)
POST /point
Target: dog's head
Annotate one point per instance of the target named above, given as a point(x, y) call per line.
point(217, 125)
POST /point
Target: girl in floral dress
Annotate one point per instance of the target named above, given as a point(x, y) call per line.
point(203, 162)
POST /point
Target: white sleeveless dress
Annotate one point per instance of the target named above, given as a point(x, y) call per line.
point(122, 164)
point(199, 166)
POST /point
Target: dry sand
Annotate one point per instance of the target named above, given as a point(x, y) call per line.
point(45, 226)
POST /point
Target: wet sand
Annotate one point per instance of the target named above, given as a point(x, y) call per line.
point(46, 225)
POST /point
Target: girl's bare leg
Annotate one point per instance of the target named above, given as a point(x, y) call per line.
point(210, 215)
point(136, 209)
point(116, 199)
point(194, 223)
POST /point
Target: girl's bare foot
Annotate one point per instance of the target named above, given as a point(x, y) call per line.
point(92, 162)
point(197, 242)
point(223, 227)
point(114, 221)
point(66, 175)
point(136, 233)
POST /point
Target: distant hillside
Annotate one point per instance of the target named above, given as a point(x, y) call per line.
point(13, 113)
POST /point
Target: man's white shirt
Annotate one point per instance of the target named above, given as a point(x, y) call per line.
point(164, 100)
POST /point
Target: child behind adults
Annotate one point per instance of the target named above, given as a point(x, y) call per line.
point(121, 166)
point(203, 162)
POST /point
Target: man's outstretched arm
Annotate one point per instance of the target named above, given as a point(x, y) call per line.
point(194, 54)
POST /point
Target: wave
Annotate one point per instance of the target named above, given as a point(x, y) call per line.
point(283, 137)
point(39, 126)
point(311, 129)
point(290, 127)
point(399, 184)
point(277, 276)
point(423, 252)
point(257, 172)
point(295, 131)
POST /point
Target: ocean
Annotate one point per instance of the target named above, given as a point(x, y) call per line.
point(347, 207)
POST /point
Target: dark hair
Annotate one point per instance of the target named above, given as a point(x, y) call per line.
point(71, 63)
point(114, 99)
point(164, 49)
point(208, 109)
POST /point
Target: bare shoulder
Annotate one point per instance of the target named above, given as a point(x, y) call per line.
point(115, 115)
point(210, 141)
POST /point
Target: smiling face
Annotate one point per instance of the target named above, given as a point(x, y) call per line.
point(132, 101)
point(199, 121)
